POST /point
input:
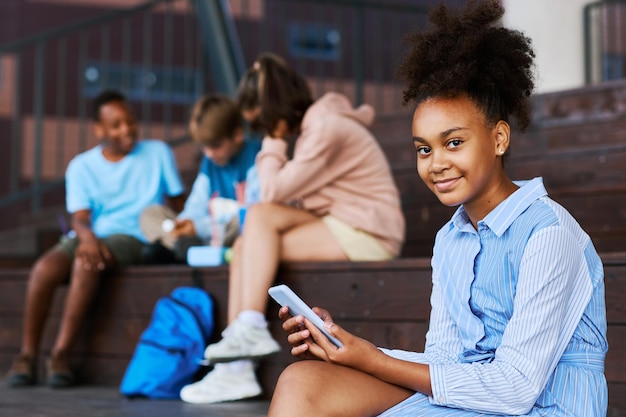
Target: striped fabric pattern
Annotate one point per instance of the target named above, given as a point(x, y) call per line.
point(518, 321)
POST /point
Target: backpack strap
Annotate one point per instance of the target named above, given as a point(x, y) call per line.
point(205, 336)
point(196, 278)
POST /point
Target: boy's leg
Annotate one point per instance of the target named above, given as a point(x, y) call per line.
point(81, 292)
point(316, 388)
point(161, 246)
point(125, 250)
point(151, 221)
point(48, 272)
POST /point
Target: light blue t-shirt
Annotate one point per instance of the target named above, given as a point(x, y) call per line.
point(117, 192)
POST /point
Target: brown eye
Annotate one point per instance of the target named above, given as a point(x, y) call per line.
point(455, 143)
point(423, 150)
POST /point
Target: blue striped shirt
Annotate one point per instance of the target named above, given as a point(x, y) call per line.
point(518, 321)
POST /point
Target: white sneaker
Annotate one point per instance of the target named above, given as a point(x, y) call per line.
point(222, 384)
point(242, 341)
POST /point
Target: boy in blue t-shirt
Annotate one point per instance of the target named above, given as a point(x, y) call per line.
point(107, 188)
point(217, 125)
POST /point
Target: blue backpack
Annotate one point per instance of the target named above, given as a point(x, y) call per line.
point(166, 357)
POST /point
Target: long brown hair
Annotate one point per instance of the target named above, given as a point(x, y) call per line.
point(279, 91)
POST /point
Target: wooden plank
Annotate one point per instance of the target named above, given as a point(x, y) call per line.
point(615, 364)
point(375, 296)
point(602, 216)
point(576, 173)
point(564, 140)
point(134, 288)
point(599, 215)
point(617, 400)
point(615, 285)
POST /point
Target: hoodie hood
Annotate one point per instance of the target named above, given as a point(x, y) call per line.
point(339, 104)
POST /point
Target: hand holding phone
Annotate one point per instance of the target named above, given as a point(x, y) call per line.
point(286, 297)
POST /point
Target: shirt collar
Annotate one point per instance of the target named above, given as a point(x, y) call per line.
point(501, 217)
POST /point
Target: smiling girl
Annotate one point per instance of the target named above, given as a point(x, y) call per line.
point(518, 320)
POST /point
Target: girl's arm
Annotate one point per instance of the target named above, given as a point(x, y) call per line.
point(356, 353)
point(197, 207)
point(282, 180)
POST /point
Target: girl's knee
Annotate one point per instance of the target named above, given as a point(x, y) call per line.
point(290, 380)
point(306, 383)
point(260, 212)
point(300, 374)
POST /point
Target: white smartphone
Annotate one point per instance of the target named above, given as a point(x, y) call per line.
point(286, 297)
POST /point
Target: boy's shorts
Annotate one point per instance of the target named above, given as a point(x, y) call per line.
point(151, 221)
point(126, 250)
point(357, 244)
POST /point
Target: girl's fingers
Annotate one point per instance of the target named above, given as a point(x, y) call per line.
point(283, 313)
point(298, 338)
point(293, 324)
point(319, 336)
point(299, 350)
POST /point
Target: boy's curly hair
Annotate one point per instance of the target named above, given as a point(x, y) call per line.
point(467, 53)
point(105, 97)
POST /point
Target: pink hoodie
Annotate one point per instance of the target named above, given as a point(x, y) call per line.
point(337, 168)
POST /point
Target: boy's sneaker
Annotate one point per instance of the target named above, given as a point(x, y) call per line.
point(242, 341)
point(222, 384)
point(59, 373)
point(22, 372)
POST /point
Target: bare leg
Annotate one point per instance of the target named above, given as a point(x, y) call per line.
point(83, 287)
point(316, 388)
point(273, 233)
point(47, 274)
point(235, 282)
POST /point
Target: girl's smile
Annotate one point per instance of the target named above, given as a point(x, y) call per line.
point(445, 185)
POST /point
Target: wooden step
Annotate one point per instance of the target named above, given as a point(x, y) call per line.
point(384, 302)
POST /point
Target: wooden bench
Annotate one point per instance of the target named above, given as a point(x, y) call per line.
point(384, 302)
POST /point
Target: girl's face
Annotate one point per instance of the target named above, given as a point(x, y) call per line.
point(459, 156)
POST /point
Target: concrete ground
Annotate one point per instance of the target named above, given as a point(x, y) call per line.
point(94, 401)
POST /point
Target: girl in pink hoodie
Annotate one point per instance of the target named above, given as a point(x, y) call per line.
point(334, 200)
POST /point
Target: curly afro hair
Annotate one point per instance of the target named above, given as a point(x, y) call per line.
point(468, 53)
